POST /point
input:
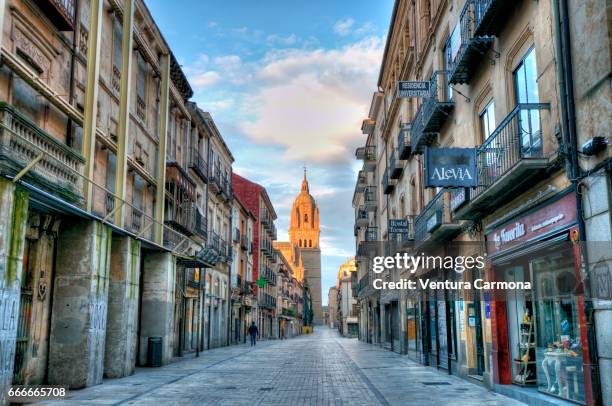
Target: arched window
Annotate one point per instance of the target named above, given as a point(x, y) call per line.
point(300, 243)
point(306, 218)
point(310, 243)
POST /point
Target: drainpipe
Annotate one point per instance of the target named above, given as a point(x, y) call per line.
point(568, 111)
point(69, 136)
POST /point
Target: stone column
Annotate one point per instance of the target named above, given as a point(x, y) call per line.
point(123, 298)
point(80, 299)
point(157, 312)
point(13, 219)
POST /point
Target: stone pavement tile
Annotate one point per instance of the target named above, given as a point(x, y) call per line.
point(318, 369)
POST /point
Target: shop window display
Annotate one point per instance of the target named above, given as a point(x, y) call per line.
point(558, 351)
point(543, 325)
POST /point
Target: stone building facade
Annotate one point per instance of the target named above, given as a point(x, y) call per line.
point(499, 80)
point(116, 198)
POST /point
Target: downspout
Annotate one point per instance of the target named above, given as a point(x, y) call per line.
point(568, 112)
point(69, 136)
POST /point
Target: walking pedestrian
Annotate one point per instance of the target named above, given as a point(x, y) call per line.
point(253, 330)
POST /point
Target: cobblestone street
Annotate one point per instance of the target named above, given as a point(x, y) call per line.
point(316, 369)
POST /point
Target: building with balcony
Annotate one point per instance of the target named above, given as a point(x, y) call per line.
point(255, 199)
point(103, 183)
point(497, 75)
point(241, 279)
point(346, 305)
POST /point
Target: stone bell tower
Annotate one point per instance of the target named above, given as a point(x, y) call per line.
point(304, 236)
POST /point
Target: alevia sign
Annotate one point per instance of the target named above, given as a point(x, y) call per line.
point(450, 167)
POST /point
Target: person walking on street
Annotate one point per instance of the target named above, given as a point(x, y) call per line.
point(253, 333)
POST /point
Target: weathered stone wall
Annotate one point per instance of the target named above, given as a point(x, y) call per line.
point(80, 300)
point(123, 301)
point(13, 217)
point(157, 313)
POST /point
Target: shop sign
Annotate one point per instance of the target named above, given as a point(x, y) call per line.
point(553, 216)
point(406, 89)
point(450, 167)
point(399, 227)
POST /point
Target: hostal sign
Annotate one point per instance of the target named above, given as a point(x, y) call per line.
point(450, 167)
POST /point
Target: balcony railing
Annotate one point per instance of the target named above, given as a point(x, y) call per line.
point(213, 242)
point(370, 198)
point(60, 12)
point(362, 181)
point(201, 224)
point(244, 241)
point(361, 217)
point(214, 179)
point(60, 168)
point(490, 16)
point(435, 222)
point(368, 155)
point(403, 142)
point(199, 165)
point(432, 113)
point(388, 184)
point(509, 160)
point(395, 167)
point(464, 59)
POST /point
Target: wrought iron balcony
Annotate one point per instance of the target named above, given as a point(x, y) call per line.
point(362, 181)
point(464, 59)
point(432, 113)
point(201, 224)
point(370, 198)
point(395, 167)
point(59, 169)
point(199, 165)
point(60, 12)
point(213, 242)
point(361, 217)
point(509, 161)
point(490, 16)
point(264, 218)
point(435, 222)
point(244, 242)
point(403, 142)
point(368, 155)
point(214, 179)
point(388, 184)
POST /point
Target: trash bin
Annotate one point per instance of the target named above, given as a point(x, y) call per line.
point(154, 353)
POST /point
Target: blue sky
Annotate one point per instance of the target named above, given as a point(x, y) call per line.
point(287, 83)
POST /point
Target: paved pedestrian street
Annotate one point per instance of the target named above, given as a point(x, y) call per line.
point(318, 369)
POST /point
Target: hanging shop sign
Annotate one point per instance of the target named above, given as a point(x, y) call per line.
point(398, 226)
point(450, 167)
point(407, 89)
point(558, 214)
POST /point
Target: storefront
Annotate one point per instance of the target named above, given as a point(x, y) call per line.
point(539, 334)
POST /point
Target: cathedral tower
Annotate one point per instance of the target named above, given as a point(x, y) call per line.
point(303, 248)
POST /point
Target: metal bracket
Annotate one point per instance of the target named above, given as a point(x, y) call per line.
point(460, 94)
point(496, 54)
point(29, 166)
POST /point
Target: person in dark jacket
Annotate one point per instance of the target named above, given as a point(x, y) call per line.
point(253, 333)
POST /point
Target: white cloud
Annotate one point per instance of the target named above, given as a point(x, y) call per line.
point(343, 27)
point(211, 24)
point(311, 102)
point(205, 79)
point(275, 39)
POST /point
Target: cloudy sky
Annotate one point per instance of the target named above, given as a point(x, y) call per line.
point(287, 83)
